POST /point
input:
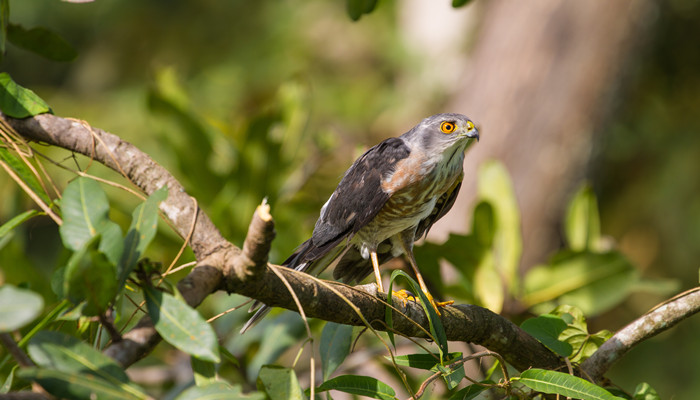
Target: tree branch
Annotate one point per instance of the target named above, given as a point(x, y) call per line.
point(223, 265)
point(648, 325)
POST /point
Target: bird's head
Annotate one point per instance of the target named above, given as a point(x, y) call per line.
point(443, 131)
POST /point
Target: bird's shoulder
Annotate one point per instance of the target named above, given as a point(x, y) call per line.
point(359, 196)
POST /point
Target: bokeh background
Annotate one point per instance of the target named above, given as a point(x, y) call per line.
point(243, 100)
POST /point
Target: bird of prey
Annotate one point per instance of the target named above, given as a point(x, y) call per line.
point(387, 199)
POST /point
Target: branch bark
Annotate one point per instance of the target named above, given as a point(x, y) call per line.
point(648, 325)
point(222, 265)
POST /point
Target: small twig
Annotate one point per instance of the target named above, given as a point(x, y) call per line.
point(18, 354)
point(106, 322)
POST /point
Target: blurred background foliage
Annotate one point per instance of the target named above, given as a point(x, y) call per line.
point(244, 100)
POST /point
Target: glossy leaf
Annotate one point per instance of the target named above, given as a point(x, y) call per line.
point(24, 173)
point(336, 340)
point(144, 223)
point(90, 277)
point(280, 383)
point(218, 391)
point(19, 102)
point(583, 221)
point(55, 350)
point(553, 382)
point(181, 325)
point(8, 226)
point(85, 215)
point(546, 328)
point(73, 385)
point(359, 385)
point(495, 187)
point(41, 41)
point(18, 307)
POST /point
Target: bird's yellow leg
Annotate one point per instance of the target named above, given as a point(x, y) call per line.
point(411, 260)
point(377, 275)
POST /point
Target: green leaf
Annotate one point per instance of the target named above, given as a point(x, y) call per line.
point(144, 223)
point(452, 377)
point(546, 328)
point(204, 371)
point(583, 221)
point(42, 42)
point(576, 333)
point(85, 215)
point(18, 102)
point(593, 282)
point(280, 383)
point(356, 8)
point(7, 385)
point(89, 276)
point(181, 325)
point(423, 361)
point(23, 172)
point(218, 391)
point(55, 350)
point(436, 328)
point(8, 226)
point(495, 187)
point(459, 3)
point(483, 224)
point(563, 384)
point(359, 385)
point(488, 286)
point(336, 340)
point(18, 307)
point(74, 385)
point(470, 392)
point(644, 391)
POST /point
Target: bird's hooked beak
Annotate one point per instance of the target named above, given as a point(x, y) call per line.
point(472, 132)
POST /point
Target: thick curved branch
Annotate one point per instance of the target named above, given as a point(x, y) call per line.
point(246, 272)
point(648, 325)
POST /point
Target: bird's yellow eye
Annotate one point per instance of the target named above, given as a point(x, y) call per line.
point(470, 125)
point(447, 127)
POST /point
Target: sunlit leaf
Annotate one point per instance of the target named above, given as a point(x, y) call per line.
point(583, 221)
point(644, 391)
point(495, 187)
point(546, 328)
point(74, 385)
point(359, 385)
point(336, 340)
point(181, 325)
point(7, 384)
point(41, 41)
point(18, 307)
point(563, 384)
point(593, 282)
point(280, 383)
point(488, 285)
point(18, 102)
point(204, 371)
